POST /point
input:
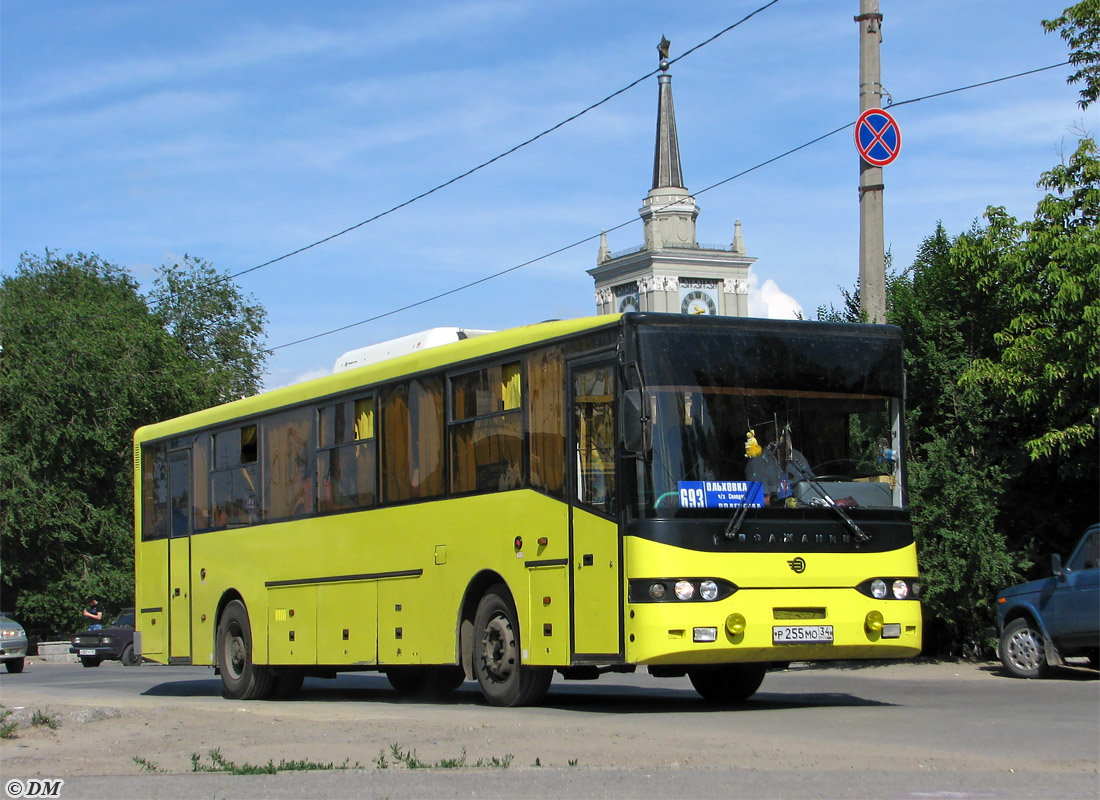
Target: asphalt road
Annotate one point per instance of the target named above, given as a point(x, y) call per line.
point(908, 730)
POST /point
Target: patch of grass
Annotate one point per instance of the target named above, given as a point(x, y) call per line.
point(412, 761)
point(146, 764)
point(219, 763)
point(453, 763)
point(7, 728)
point(407, 757)
point(573, 762)
point(45, 719)
point(538, 762)
point(496, 763)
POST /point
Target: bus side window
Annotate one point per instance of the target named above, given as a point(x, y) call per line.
point(346, 462)
point(546, 420)
point(154, 492)
point(234, 483)
point(412, 440)
point(289, 490)
point(487, 430)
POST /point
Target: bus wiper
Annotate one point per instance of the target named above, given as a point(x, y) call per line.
point(738, 517)
point(828, 502)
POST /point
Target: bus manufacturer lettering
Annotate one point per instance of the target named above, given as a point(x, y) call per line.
point(787, 538)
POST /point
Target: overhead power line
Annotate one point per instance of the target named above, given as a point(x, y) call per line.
point(593, 237)
point(505, 154)
point(466, 174)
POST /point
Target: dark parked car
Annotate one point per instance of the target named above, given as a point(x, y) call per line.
point(1044, 621)
point(13, 644)
point(112, 643)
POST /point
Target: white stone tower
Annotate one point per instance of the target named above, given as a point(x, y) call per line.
point(671, 271)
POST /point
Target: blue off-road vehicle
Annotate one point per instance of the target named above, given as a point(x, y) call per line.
point(1044, 621)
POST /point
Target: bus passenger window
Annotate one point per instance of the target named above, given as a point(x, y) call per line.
point(346, 470)
point(546, 421)
point(234, 483)
point(487, 430)
point(154, 492)
point(288, 465)
point(412, 440)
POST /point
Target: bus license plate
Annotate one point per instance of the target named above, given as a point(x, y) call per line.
point(802, 634)
point(87, 652)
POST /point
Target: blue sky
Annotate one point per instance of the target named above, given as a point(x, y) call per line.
point(237, 132)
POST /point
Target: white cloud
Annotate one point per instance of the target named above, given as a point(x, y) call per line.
point(769, 301)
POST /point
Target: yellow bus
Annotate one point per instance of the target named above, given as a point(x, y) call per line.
point(701, 496)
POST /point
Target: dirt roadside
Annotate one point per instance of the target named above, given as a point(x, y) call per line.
point(124, 734)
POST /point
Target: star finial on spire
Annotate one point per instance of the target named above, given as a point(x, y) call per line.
point(662, 51)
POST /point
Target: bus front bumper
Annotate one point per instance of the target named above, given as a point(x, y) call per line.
point(773, 625)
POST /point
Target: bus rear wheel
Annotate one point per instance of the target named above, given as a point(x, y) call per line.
point(241, 679)
point(726, 684)
point(503, 678)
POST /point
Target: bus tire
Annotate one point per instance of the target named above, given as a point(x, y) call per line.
point(727, 684)
point(503, 678)
point(241, 679)
point(286, 684)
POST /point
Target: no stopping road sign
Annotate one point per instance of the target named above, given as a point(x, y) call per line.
point(878, 137)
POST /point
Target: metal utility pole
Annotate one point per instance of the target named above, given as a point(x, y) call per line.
point(872, 250)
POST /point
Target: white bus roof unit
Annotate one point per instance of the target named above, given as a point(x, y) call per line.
point(402, 346)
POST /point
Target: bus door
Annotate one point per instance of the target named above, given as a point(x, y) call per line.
point(596, 599)
point(179, 555)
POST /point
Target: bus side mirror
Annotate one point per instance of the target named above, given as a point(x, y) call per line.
point(1056, 566)
point(636, 429)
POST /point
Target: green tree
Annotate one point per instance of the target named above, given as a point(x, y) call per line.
point(955, 448)
point(83, 363)
point(1079, 25)
point(1047, 361)
point(218, 326)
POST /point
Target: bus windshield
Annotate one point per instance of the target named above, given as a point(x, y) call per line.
point(752, 420)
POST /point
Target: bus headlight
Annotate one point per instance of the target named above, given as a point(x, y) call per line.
point(890, 588)
point(708, 590)
point(685, 590)
point(657, 591)
point(874, 621)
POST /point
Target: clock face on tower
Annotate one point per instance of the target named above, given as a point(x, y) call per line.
point(698, 301)
point(626, 297)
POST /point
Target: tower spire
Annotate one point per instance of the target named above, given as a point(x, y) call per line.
point(666, 156)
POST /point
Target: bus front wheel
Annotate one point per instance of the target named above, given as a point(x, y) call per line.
point(503, 678)
point(241, 679)
point(727, 683)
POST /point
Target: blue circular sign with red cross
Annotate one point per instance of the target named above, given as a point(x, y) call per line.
point(878, 137)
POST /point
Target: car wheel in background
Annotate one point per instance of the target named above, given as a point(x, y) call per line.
point(15, 664)
point(129, 658)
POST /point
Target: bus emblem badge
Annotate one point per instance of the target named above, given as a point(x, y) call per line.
point(798, 565)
